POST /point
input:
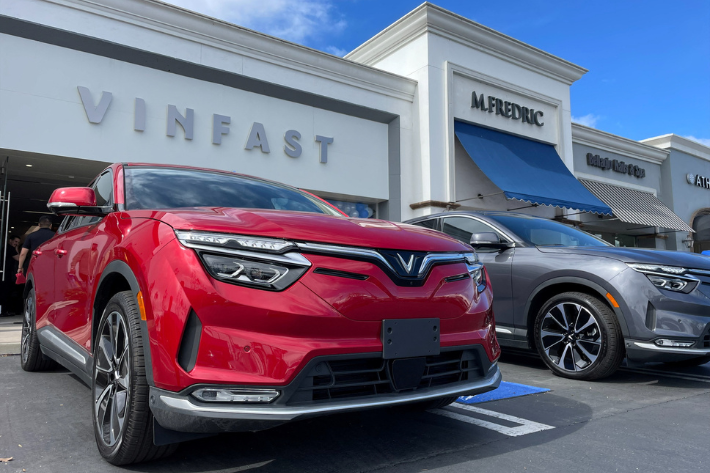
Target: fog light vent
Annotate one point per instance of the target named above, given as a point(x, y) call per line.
point(664, 342)
point(236, 395)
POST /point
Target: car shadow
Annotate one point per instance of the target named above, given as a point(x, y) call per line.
point(364, 441)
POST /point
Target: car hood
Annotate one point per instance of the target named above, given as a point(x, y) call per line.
point(638, 255)
point(302, 226)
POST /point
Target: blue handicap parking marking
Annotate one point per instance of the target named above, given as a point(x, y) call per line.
point(505, 391)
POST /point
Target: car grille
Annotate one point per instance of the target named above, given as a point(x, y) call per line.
point(705, 340)
point(341, 379)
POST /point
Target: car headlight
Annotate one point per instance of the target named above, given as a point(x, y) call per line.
point(670, 278)
point(247, 261)
point(475, 270)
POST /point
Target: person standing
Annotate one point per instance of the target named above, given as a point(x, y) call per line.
point(8, 307)
point(33, 241)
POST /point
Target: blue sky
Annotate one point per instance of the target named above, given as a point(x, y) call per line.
point(648, 61)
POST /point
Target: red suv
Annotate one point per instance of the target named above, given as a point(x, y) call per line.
point(195, 302)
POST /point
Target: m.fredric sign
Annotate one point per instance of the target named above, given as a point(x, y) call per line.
point(507, 109)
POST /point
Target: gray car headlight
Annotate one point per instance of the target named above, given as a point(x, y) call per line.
point(261, 263)
point(670, 278)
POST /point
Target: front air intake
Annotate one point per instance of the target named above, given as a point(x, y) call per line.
point(190, 343)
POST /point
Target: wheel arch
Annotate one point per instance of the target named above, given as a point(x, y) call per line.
point(549, 288)
point(118, 277)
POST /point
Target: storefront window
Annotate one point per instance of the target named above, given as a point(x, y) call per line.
point(355, 209)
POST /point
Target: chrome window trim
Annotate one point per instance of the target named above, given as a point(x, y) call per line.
point(444, 217)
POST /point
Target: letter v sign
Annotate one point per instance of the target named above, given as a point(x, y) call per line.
point(94, 113)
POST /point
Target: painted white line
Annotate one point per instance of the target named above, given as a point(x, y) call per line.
point(526, 426)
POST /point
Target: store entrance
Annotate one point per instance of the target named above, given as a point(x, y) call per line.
point(701, 225)
point(27, 180)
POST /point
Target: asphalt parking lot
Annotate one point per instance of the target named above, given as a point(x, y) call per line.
point(650, 420)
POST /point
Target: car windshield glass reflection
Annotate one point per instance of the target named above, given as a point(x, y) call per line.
point(541, 232)
point(170, 188)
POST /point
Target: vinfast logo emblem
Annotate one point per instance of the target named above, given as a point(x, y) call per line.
point(408, 265)
point(405, 263)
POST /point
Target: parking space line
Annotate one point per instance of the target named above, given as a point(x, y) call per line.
point(526, 426)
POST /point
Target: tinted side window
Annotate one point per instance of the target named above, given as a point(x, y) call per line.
point(461, 228)
point(431, 223)
point(103, 188)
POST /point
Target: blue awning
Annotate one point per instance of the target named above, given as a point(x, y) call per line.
point(526, 170)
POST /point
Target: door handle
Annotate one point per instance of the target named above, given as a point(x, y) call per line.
point(60, 252)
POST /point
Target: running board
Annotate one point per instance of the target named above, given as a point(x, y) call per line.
point(65, 351)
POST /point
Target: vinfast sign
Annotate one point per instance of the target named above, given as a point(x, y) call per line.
point(506, 109)
point(615, 165)
point(255, 138)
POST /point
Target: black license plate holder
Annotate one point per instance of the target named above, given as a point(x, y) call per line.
point(407, 338)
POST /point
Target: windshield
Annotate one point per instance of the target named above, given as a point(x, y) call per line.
point(541, 232)
point(172, 188)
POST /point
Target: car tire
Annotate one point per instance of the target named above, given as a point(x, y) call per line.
point(122, 419)
point(689, 363)
point(578, 336)
point(31, 356)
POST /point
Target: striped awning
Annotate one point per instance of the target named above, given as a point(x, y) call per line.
point(633, 206)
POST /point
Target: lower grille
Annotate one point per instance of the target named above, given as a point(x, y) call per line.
point(351, 378)
point(705, 341)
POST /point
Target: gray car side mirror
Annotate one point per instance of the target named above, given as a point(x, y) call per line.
point(489, 240)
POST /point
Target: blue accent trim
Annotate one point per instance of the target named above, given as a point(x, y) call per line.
point(526, 170)
point(504, 391)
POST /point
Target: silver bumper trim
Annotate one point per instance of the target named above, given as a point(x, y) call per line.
point(179, 412)
point(679, 351)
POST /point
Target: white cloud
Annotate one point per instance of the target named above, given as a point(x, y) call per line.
point(589, 120)
point(336, 51)
point(702, 141)
point(300, 21)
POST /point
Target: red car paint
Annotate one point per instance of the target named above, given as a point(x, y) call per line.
point(250, 336)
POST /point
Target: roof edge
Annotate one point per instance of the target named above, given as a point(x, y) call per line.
point(437, 20)
point(680, 143)
point(617, 144)
point(185, 24)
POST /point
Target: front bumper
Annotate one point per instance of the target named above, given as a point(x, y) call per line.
point(640, 351)
point(183, 413)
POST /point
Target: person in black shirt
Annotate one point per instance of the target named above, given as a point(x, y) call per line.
point(33, 241)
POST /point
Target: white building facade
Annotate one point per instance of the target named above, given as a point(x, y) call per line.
point(379, 132)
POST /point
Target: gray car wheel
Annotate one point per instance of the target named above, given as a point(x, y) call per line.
point(31, 356)
point(123, 422)
point(578, 336)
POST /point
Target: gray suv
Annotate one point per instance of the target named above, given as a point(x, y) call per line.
point(582, 303)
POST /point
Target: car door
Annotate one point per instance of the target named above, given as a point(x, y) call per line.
point(498, 264)
point(42, 261)
point(77, 251)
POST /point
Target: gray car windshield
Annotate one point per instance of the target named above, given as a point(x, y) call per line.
point(541, 232)
point(172, 188)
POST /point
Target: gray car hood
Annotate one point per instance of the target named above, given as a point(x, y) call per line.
point(637, 255)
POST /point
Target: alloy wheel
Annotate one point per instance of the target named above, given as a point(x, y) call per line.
point(27, 328)
point(112, 378)
point(571, 337)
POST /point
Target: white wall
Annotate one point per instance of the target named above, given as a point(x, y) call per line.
point(47, 116)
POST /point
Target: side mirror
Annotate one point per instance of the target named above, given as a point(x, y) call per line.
point(489, 240)
point(75, 201)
